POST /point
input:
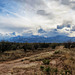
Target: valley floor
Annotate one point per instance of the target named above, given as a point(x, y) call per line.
point(61, 58)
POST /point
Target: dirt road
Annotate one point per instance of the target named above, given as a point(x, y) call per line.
point(7, 67)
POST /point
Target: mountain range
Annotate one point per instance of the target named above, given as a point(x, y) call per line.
point(37, 38)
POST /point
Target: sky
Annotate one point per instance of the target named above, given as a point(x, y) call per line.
point(37, 17)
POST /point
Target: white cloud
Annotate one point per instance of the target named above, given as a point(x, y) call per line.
point(31, 15)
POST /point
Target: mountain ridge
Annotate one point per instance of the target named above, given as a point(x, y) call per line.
point(39, 39)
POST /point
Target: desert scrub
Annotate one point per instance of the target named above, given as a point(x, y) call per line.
point(56, 71)
point(57, 52)
point(46, 61)
point(53, 45)
point(42, 68)
point(68, 72)
point(47, 70)
point(71, 58)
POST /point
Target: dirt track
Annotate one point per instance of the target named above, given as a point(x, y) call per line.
point(6, 68)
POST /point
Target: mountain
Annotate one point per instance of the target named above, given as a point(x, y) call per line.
point(35, 38)
point(32, 39)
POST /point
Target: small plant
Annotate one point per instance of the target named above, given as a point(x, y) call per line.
point(56, 71)
point(53, 45)
point(67, 71)
point(57, 52)
point(47, 70)
point(68, 44)
point(61, 73)
point(52, 71)
point(42, 68)
point(46, 61)
point(71, 58)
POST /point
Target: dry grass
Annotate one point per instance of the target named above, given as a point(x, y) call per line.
point(11, 55)
point(61, 58)
point(40, 56)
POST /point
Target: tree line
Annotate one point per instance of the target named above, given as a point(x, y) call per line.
point(5, 46)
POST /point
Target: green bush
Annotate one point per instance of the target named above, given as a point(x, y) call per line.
point(67, 71)
point(56, 71)
point(46, 61)
point(67, 44)
point(57, 52)
point(53, 45)
point(47, 69)
point(36, 45)
point(44, 45)
point(42, 68)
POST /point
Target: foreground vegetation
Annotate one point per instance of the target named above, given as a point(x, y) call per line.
point(37, 58)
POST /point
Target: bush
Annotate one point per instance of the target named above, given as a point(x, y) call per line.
point(67, 71)
point(13, 47)
point(46, 61)
point(36, 45)
point(28, 46)
point(5, 46)
point(42, 68)
point(57, 52)
point(56, 71)
point(68, 44)
point(47, 70)
point(44, 45)
point(53, 45)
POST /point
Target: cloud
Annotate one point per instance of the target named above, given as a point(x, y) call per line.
point(73, 28)
point(45, 14)
point(65, 24)
point(26, 16)
point(53, 33)
point(65, 2)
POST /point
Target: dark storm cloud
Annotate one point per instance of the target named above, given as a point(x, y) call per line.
point(44, 13)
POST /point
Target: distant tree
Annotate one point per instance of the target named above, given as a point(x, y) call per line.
point(68, 44)
point(53, 45)
point(5, 46)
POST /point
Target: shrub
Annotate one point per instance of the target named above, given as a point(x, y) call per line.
point(13, 47)
point(44, 45)
point(46, 61)
point(67, 71)
point(56, 71)
point(68, 44)
point(57, 52)
point(28, 46)
point(5, 46)
point(47, 70)
point(36, 45)
point(62, 72)
point(42, 68)
point(53, 45)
